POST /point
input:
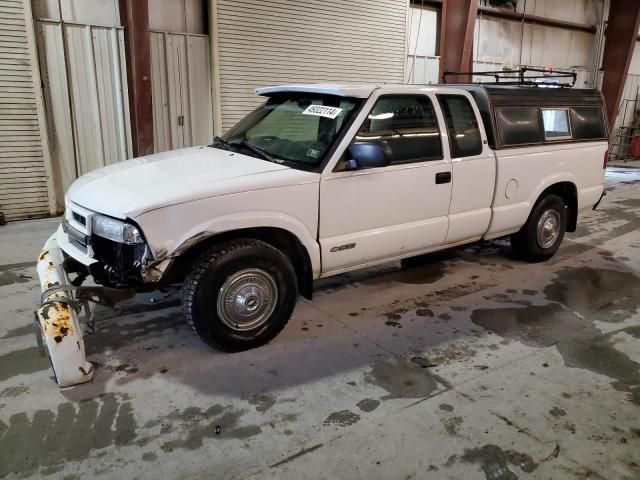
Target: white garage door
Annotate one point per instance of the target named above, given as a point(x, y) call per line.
point(23, 175)
point(283, 41)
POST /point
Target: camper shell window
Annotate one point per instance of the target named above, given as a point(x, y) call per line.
point(587, 123)
point(556, 124)
point(519, 125)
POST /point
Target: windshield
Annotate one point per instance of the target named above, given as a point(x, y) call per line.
point(296, 129)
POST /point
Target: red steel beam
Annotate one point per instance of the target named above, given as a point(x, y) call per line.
point(135, 18)
point(456, 38)
point(622, 30)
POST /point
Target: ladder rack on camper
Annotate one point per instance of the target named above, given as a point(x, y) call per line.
point(535, 77)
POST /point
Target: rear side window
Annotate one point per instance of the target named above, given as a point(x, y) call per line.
point(462, 125)
point(587, 123)
point(407, 124)
point(556, 123)
point(519, 125)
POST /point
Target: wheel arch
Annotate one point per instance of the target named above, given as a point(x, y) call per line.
point(284, 240)
point(568, 191)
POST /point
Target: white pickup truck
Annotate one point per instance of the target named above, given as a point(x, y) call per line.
point(318, 181)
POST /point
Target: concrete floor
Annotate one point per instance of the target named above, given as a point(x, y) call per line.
point(472, 365)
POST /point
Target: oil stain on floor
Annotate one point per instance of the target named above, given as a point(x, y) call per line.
point(21, 362)
point(596, 293)
point(496, 463)
point(343, 418)
point(194, 425)
point(49, 439)
point(570, 326)
point(9, 274)
point(401, 379)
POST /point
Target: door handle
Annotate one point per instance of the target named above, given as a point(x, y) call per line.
point(443, 177)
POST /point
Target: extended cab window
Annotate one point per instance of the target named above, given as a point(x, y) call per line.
point(462, 125)
point(556, 124)
point(407, 127)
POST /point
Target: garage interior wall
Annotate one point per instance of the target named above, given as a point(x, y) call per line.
point(266, 42)
point(180, 74)
point(502, 43)
point(26, 189)
point(81, 50)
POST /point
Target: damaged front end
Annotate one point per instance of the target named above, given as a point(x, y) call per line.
point(118, 258)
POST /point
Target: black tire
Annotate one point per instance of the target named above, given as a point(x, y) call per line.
point(206, 281)
point(526, 243)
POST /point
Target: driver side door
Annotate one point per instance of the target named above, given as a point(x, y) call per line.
point(372, 215)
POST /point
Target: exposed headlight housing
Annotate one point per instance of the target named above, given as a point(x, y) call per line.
point(116, 230)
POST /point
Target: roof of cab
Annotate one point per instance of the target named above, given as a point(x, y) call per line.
point(341, 90)
point(363, 90)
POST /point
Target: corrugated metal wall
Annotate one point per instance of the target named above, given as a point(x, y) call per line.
point(85, 84)
point(276, 41)
point(24, 175)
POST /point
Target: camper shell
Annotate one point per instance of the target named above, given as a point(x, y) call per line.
point(513, 114)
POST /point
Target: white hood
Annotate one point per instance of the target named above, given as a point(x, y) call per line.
point(128, 189)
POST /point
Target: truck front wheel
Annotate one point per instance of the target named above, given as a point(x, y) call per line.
point(240, 294)
point(540, 238)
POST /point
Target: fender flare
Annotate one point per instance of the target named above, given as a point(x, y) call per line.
point(251, 219)
point(545, 183)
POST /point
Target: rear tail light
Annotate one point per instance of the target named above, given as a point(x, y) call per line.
point(606, 159)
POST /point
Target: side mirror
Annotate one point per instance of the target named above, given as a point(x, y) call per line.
point(366, 155)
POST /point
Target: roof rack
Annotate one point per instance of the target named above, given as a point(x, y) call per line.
point(541, 77)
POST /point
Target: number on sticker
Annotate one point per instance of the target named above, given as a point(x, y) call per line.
point(322, 111)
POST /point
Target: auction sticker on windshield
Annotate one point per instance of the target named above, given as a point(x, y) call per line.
point(322, 111)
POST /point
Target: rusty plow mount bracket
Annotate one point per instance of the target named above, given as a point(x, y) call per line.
point(105, 296)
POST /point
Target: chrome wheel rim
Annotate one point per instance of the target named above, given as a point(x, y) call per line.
point(548, 228)
point(247, 299)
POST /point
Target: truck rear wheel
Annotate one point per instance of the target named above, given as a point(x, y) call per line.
point(540, 238)
point(240, 294)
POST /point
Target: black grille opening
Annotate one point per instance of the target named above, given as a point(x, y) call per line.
point(79, 218)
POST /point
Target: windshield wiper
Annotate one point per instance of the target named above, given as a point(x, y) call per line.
point(220, 141)
point(258, 151)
